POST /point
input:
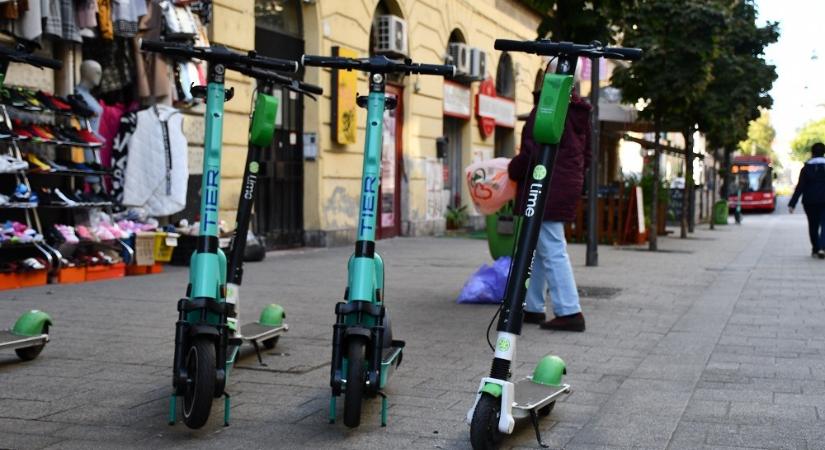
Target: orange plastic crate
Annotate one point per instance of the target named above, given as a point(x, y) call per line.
point(8, 280)
point(68, 275)
point(144, 270)
point(97, 273)
point(33, 278)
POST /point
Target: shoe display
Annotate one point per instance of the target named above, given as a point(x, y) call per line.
point(573, 322)
point(10, 164)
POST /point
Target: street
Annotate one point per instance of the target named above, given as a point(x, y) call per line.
point(715, 342)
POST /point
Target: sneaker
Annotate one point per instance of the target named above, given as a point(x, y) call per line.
point(573, 322)
point(821, 254)
point(534, 317)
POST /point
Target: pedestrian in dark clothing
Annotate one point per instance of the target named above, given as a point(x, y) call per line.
point(551, 265)
point(811, 187)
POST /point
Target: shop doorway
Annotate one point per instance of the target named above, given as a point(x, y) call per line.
point(392, 158)
point(279, 211)
point(505, 138)
point(452, 161)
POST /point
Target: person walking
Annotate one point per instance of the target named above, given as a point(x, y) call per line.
point(551, 264)
point(811, 187)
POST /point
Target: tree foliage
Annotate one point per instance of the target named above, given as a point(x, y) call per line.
point(578, 21)
point(680, 41)
point(806, 137)
point(741, 77)
point(760, 137)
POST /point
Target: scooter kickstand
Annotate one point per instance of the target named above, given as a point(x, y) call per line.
point(383, 408)
point(226, 408)
point(258, 352)
point(535, 421)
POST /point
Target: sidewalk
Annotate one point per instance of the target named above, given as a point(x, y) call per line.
point(717, 341)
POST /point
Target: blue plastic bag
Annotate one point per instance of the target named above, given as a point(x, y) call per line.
point(487, 284)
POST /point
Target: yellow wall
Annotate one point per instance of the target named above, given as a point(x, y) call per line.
point(332, 181)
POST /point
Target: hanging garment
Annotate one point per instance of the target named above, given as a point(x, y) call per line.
point(104, 19)
point(60, 21)
point(120, 155)
point(30, 22)
point(126, 14)
point(157, 171)
point(116, 60)
point(87, 13)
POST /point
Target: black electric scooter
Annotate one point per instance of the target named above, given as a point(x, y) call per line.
point(270, 325)
point(499, 402)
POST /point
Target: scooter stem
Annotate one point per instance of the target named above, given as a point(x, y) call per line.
point(363, 286)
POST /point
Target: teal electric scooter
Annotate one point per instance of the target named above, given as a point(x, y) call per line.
point(205, 346)
point(363, 351)
point(499, 402)
point(30, 332)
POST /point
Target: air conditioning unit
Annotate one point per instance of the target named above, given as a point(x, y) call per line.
point(390, 36)
point(478, 63)
point(459, 57)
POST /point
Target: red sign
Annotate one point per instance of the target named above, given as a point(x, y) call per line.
point(486, 124)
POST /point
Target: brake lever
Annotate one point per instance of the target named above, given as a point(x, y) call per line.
point(300, 91)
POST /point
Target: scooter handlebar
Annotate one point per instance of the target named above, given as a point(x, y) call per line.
point(28, 58)
point(220, 55)
point(266, 75)
point(550, 48)
point(377, 64)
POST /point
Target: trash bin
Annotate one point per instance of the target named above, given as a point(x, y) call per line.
point(501, 231)
point(720, 212)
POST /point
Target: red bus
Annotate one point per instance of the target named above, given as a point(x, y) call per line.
point(754, 176)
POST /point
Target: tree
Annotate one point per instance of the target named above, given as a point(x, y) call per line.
point(761, 135)
point(680, 42)
point(578, 21)
point(742, 80)
point(809, 134)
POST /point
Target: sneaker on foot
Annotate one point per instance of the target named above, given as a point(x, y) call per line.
point(573, 322)
point(821, 254)
point(534, 317)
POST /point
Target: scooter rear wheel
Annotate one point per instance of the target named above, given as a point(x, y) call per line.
point(29, 353)
point(270, 343)
point(200, 386)
point(484, 434)
point(354, 393)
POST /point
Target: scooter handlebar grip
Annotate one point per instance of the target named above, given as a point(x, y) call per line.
point(630, 54)
point(508, 45)
point(329, 61)
point(43, 62)
point(310, 88)
point(446, 70)
point(284, 65)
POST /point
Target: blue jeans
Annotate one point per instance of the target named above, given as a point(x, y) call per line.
point(552, 266)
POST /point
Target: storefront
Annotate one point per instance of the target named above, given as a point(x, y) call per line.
point(103, 156)
point(441, 126)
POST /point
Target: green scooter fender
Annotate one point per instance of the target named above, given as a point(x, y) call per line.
point(492, 389)
point(32, 323)
point(272, 315)
point(549, 370)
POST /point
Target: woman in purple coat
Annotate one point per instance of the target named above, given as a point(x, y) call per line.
point(551, 265)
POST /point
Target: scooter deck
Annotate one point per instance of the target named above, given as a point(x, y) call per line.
point(9, 340)
point(256, 332)
point(390, 359)
point(531, 396)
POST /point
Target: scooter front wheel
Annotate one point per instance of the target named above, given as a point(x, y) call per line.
point(354, 393)
point(484, 434)
point(200, 385)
